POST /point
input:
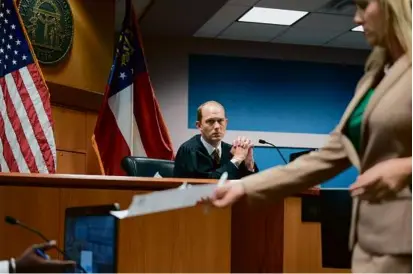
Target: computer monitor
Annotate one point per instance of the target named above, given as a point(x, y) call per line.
point(336, 207)
point(91, 238)
point(295, 155)
point(332, 208)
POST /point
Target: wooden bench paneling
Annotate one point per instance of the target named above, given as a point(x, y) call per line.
point(71, 162)
point(69, 129)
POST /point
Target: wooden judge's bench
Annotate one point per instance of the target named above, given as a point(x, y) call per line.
point(237, 239)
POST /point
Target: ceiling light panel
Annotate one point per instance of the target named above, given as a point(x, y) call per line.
point(358, 28)
point(272, 16)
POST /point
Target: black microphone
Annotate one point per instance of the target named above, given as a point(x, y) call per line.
point(261, 141)
point(13, 221)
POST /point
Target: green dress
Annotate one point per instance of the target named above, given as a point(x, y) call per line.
point(354, 123)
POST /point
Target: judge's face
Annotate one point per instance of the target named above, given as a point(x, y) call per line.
point(213, 123)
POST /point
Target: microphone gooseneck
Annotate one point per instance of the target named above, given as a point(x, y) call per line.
point(261, 141)
point(13, 221)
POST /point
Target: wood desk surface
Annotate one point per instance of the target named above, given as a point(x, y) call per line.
point(95, 181)
point(165, 242)
point(104, 182)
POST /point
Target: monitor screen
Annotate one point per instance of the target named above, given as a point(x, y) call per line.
point(91, 241)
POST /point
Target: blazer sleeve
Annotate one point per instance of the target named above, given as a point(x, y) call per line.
point(305, 172)
point(186, 166)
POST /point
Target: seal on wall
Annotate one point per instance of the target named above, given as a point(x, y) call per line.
point(49, 24)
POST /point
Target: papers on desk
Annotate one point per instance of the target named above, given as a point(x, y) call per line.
point(184, 196)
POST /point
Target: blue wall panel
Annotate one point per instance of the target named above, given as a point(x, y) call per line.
point(274, 96)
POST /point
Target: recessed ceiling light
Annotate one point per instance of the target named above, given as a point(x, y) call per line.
point(272, 16)
point(358, 28)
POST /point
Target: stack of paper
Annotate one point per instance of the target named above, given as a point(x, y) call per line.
point(158, 201)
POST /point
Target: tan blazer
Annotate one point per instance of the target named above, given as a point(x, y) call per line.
point(384, 228)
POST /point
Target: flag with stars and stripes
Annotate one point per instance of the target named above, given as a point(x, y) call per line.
point(27, 142)
point(130, 122)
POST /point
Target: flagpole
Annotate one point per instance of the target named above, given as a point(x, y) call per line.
point(128, 17)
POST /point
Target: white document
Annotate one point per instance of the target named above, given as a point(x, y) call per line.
point(158, 201)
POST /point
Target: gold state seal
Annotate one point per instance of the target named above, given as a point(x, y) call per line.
point(49, 24)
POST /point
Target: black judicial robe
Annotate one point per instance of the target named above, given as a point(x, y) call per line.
point(193, 161)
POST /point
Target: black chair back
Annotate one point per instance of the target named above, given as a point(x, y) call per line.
point(147, 167)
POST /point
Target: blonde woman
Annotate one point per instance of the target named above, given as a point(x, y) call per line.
point(374, 135)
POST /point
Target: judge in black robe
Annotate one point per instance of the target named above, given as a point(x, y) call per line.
point(194, 161)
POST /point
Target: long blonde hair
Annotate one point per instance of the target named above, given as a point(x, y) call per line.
point(398, 18)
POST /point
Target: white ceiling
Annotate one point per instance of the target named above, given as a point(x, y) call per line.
point(321, 26)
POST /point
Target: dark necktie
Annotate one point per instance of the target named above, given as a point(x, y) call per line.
point(215, 157)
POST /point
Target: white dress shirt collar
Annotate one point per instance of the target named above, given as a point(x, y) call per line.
point(210, 148)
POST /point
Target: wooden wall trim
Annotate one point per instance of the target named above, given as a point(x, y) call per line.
point(74, 97)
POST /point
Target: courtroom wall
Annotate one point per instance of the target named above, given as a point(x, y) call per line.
point(265, 98)
point(87, 65)
point(77, 83)
point(180, 85)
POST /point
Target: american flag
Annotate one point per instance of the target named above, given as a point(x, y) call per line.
point(130, 121)
point(27, 143)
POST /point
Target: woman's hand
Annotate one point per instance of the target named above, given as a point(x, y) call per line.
point(384, 180)
point(225, 195)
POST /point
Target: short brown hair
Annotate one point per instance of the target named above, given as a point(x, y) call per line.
point(199, 110)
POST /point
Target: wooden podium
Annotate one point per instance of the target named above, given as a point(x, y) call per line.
point(237, 239)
